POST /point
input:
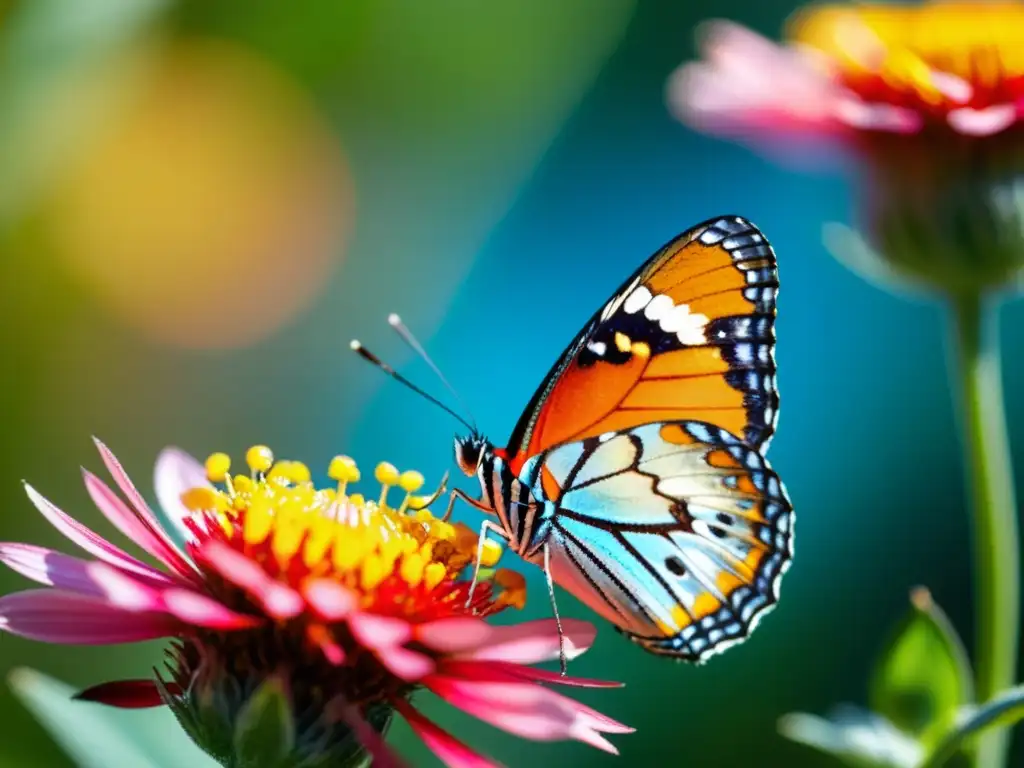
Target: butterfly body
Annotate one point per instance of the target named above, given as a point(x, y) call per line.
point(636, 476)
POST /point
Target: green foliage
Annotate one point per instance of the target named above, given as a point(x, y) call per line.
point(923, 677)
point(921, 715)
point(265, 729)
point(856, 737)
point(1004, 710)
point(95, 736)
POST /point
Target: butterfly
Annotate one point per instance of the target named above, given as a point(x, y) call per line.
point(636, 477)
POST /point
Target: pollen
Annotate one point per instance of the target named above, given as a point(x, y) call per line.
point(296, 530)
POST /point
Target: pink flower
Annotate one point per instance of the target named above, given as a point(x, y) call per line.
point(851, 70)
point(927, 100)
point(356, 604)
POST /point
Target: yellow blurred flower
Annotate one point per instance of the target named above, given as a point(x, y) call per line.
point(211, 205)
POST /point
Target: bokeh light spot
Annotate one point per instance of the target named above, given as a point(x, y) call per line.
point(210, 209)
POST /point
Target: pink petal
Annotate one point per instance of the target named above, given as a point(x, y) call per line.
point(328, 598)
point(202, 611)
point(534, 641)
point(748, 83)
point(524, 709)
point(128, 522)
point(513, 673)
point(49, 567)
point(55, 616)
point(125, 592)
point(90, 541)
point(888, 118)
point(127, 694)
point(279, 600)
point(448, 749)
point(122, 591)
point(375, 631)
point(175, 473)
point(982, 122)
point(168, 552)
point(481, 670)
point(408, 665)
point(458, 633)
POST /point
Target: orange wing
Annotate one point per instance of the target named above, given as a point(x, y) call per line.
point(690, 336)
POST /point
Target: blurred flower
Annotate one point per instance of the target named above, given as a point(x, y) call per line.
point(928, 98)
point(338, 606)
point(210, 185)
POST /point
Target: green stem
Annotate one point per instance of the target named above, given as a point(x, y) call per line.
point(997, 569)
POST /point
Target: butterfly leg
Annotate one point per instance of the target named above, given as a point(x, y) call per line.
point(562, 660)
point(460, 494)
point(432, 498)
point(487, 526)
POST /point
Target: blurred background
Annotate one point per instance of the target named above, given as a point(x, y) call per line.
point(202, 202)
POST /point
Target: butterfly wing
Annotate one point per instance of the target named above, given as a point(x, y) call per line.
point(690, 336)
point(676, 532)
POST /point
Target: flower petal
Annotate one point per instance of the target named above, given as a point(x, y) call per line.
point(328, 598)
point(379, 631)
point(408, 665)
point(454, 634)
point(534, 641)
point(279, 600)
point(983, 122)
point(125, 592)
point(90, 541)
point(202, 611)
point(748, 82)
point(526, 710)
point(126, 694)
point(486, 669)
point(128, 522)
point(175, 473)
point(49, 567)
point(56, 616)
point(448, 749)
point(166, 552)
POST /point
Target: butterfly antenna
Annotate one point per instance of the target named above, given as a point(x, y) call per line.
point(400, 328)
point(367, 355)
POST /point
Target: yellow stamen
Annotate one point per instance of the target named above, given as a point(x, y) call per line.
point(343, 470)
point(259, 458)
point(433, 575)
point(410, 482)
point(491, 554)
point(373, 572)
point(387, 475)
point(279, 514)
point(412, 569)
point(217, 467)
point(203, 499)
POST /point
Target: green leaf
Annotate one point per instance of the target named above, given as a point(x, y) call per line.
point(1004, 710)
point(923, 677)
point(265, 728)
point(95, 736)
point(855, 736)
